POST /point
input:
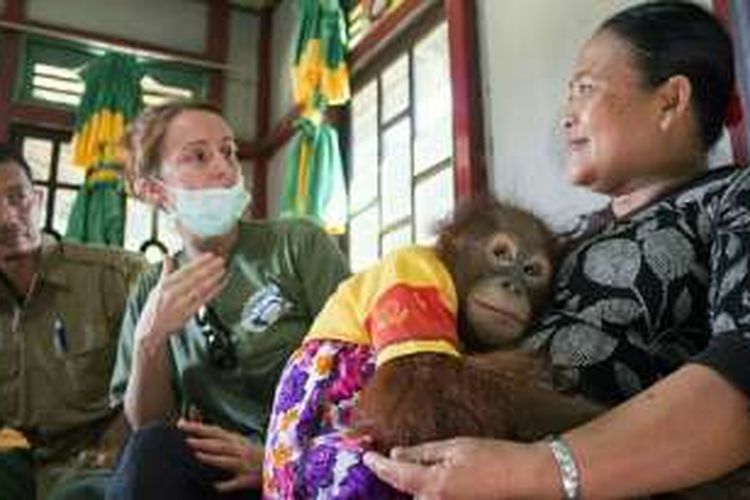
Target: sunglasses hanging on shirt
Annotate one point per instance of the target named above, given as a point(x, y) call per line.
point(221, 351)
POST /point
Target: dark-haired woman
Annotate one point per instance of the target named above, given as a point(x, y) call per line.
point(652, 305)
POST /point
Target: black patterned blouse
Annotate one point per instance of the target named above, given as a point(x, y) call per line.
point(637, 297)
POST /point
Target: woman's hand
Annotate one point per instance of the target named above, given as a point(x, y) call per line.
point(228, 451)
point(179, 294)
point(469, 468)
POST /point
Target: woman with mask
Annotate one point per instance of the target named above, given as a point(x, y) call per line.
point(207, 333)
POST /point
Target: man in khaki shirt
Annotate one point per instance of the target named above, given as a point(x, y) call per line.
point(61, 305)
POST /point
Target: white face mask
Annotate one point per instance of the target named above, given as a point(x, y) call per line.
point(210, 212)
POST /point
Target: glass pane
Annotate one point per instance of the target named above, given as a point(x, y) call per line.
point(433, 199)
point(43, 207)
point(396, 239)
point(58, 84)
point(395, 85)
point(137, 224)
point(57, 72)
point(56, 97)
point(167, 233)
point(64, 199)
point(364, 147)
point(433, 128)
point(38, 153)
point(155, 92)
point(363, 239)
point(396, 172)
point(66, 171)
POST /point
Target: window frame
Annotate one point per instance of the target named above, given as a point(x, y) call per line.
point(18, 133)
point(398, 46)
point(731, 13)
point(64, 52)
point(21, 131)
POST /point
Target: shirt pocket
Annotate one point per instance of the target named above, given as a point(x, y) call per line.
point(87, 365)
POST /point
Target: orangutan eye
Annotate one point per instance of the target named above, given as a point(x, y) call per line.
point(536, 268)
point(532, 270)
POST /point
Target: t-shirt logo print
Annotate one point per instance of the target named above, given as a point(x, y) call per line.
point(264, 308)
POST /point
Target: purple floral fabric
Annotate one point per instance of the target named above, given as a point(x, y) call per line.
point(312, 452)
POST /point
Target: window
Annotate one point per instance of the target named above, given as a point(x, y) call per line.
point(50, 75)
point(362, 14)
point(148, 230)
point(49, 156)
point(401, 143)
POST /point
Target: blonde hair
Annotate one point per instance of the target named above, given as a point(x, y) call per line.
point(144, 137)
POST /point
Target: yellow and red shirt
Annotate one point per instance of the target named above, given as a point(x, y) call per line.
point(405, 304)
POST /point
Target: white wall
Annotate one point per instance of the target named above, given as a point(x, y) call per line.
point(178, 24)
point(284, 37)
point(527, 50)
point(241, 86)
point(275, 185)
point(248, 170)
point(282, 50)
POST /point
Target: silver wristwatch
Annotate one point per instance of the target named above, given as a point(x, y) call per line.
point(566, 464)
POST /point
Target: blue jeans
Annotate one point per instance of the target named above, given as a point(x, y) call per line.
point(157, 463)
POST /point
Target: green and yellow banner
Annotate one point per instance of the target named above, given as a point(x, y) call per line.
point(111, 99)
point(320, 69)
point(315, 186)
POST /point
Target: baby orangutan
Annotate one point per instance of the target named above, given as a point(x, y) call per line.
point(501, 262)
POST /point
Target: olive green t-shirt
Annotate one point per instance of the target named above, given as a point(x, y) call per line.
point(58, 344)
point(280, 275)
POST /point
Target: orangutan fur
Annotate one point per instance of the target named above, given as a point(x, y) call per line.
point(465, 401)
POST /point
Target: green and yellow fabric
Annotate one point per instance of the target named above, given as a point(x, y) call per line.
point(98, 213)
point(320, 55)
point(315, 186)
point(111, 99)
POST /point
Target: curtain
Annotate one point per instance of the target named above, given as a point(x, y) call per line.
point(320, 55)
point(314, 186)
point(111, 99)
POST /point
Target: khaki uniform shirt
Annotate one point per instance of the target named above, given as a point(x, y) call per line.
point(57, 346)
point(280, 276)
